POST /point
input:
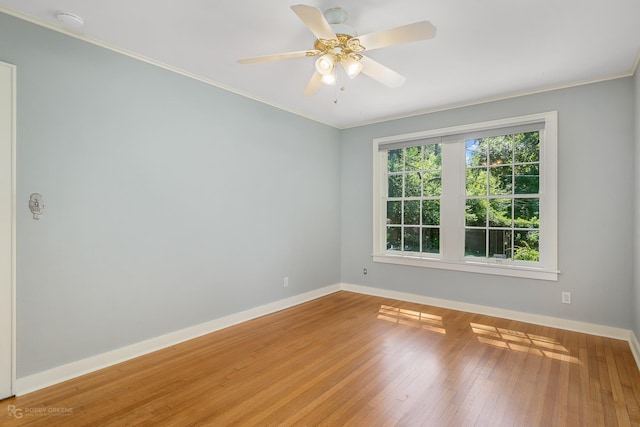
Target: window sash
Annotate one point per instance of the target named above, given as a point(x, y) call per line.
point(451, 255)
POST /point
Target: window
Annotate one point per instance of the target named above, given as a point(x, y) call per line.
point(479, 198)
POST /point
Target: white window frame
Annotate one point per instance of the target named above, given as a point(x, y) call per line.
point(451, 256)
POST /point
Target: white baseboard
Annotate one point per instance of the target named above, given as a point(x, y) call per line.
point(555, 322)
point(74, 369)
point(635, 347)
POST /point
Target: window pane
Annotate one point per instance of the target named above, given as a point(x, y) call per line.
point(500, 244)
point(527, 178)
point(431, 240)
point(432, 156)
point(526, 213)
point(412, 184)
point(500, 213)
point(393, 238)
point(412, 239)
point(413, 158)
point(412, 212)
point(476, 152)
point(476, 182)
point(395, 162)
point(527, 147)
point(500, 151)
point(394, 212)
point(527, 246)
point(476, 213)
point(475, 243)
point(395, 186)
point(500, 180)
point(431, 212)
point(432, 184)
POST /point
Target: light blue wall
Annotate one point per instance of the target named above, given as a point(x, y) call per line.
point(596, 205)
point(169, 202)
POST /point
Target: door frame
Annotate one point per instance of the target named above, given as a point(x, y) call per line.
point(8, 266)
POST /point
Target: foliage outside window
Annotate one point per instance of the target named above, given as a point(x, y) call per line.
point(502, 182)
point(413, 199)
point(478, 198)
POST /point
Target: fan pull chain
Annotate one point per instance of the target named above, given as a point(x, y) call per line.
point(338, 86)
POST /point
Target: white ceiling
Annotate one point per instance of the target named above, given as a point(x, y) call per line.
point(484, 49)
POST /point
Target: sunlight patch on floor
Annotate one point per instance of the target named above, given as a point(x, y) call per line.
point(416, 319)
point(522, 342)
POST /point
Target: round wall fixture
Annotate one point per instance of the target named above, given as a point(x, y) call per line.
point(70, 20)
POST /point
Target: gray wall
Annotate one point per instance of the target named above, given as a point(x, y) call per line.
point(596, 205)
point(169, 202)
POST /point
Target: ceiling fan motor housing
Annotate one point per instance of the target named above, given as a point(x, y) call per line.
point(336, 17)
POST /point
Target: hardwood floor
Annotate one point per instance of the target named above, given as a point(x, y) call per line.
point(351, 359)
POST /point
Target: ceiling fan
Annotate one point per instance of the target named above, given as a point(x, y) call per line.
point(338, 43)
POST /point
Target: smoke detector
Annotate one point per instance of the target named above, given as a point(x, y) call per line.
point(70, 20)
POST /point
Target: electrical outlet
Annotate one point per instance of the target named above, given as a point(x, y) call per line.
point(566, 297)
point(285, 282)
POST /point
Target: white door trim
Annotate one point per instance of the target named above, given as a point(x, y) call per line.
point(8, 225)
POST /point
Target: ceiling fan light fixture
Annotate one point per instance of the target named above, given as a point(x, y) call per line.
point(329, 78)
point(337, 42)
point(351, 67)
point(325, 63)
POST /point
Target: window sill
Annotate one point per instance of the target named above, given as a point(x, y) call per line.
point(470, 267)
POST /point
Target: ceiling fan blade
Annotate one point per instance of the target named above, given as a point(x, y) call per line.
point(313, 85)
point(314, 19)
point(379, 72)
point(422, 30)
point(278, 56)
